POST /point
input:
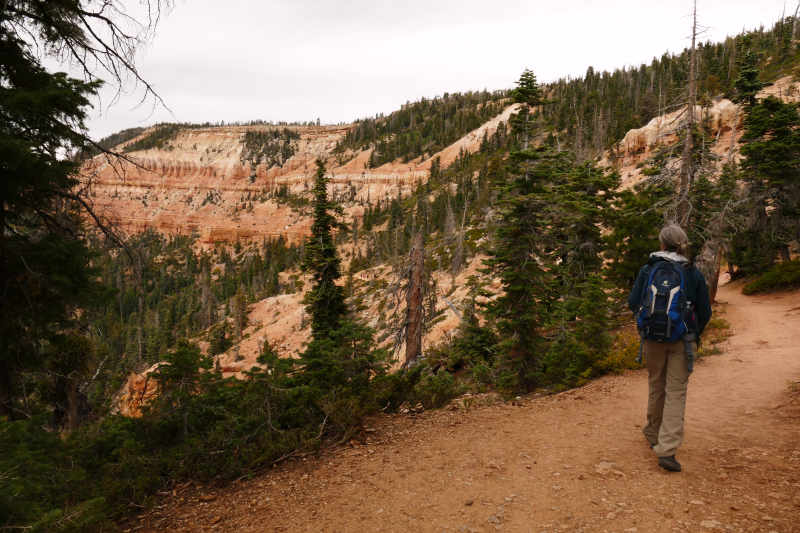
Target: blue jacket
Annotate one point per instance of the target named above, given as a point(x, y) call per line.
point(696, 292)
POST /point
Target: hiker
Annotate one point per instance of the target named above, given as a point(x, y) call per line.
point(669, 286)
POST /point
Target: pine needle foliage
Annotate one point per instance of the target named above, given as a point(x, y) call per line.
point(522, 243)
point(770, 169)
point(325, 302)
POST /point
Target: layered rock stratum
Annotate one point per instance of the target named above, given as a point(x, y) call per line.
point(199, 182)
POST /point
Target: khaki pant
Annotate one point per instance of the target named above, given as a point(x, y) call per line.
point(668, 379)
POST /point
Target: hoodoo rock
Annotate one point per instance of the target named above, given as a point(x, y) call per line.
point(720, 118)
point(137, 391)
point(723, 120)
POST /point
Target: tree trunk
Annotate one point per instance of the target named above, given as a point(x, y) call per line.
point(71, 419)
point(414, 301)
point(686, 166)
point(785, 257)
point(794, 27)
point(5, 367)
point(715, 276)
point(733, 137)
point(5, 391)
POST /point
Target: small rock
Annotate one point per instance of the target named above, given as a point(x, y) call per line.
point(611, 516)
point(668, 515)
point(778, 496)
point(735, 508)
point(697, 502)
point(606, 467)
point(207, 497)
point(722, 476)
point(711, 524)
point(215, 520)
point(767, 518)
point(582, 476)
point(493, 520)
point(468, 503)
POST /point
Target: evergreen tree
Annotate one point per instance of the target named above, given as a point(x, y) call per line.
point(182, 375)
point(770, 168)
point(529, 95)
point(747, 85)
point(634, 219)
point(325, 302)
point(522, 245)
point(474, 343)
point(45, 264)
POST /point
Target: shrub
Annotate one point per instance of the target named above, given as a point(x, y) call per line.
point(41, 487)
point(436, 390)
point(622, 356)
point(781, 276)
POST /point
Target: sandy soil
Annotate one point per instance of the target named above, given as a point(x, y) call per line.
point(571, 462)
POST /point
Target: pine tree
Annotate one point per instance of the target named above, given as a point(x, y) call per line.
point(771, 171)
point(747, 85)
point(529, 95)
point(325, 302)
point(518, 256)
point(182, 375)
point(634, 220)
point(45, 264)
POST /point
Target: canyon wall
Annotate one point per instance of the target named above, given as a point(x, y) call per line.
point(199, 183)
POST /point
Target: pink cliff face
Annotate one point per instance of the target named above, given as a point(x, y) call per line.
point(198, 182)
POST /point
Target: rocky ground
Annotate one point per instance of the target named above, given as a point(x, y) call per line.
point(572, 462)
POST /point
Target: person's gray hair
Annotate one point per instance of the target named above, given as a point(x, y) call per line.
point(674, 239)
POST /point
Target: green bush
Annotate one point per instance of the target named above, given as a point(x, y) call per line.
point(436, 390)
point(40, 486)
point(781, 276)
point(622, 355)
point(202, 426)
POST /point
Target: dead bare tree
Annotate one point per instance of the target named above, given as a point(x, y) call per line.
point(408, 287)
point(686, 164)
point(414, 309)
point(794, 27)
point(709, 261)
point(458, 255)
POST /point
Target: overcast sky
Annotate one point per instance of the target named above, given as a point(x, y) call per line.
point(338, 60)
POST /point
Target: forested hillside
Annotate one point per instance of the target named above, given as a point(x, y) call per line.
point(423, 127)
point(591, 113)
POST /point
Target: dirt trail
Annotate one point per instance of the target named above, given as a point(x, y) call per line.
point(572, 462)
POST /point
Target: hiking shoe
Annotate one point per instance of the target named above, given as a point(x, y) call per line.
point(669, 463)
point(651, 445)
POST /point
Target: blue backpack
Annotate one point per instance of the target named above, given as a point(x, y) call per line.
point(665, 313)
